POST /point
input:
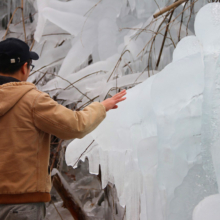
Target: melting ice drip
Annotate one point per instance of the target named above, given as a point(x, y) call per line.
point(162, 146)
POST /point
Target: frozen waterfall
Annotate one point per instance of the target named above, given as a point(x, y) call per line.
point(161, 148)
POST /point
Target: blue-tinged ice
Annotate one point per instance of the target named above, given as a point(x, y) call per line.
point(161, 146)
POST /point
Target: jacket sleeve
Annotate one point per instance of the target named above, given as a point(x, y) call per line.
point(60, 121)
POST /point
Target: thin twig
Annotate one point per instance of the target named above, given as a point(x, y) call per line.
point(114, 88)
point(10, 22)
point(92, 8)
point(42, 47)
point(149, 25)
point(41, 78)
point(56, 209)
point(171, 39)
point(87, 103)
point(181, 22)
point(146, 31)
point(55, 34)
point(24, 19)
point(157, 5)
point(167, 25)
point(168, 8)
point(88, 12)
point(55, 155)
point(83, 153)
point(164, 39)
point(151, 48)
point(124, 213)
point(22, 13)
point(46, 66)
point(187, 26)
point(75, 87)
point(32, 45)
point(118, 63)
point(84, 78)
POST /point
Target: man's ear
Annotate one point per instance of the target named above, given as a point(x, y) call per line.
point(24, 68)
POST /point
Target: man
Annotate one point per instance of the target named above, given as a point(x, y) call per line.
point(27, 119)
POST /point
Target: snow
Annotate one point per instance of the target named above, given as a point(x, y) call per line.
point(161, 146)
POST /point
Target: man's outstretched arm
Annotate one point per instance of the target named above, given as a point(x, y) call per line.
point(60, 121)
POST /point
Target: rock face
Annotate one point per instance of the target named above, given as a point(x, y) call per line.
point(86, 189)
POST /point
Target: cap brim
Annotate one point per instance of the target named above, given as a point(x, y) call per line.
point(33, 55)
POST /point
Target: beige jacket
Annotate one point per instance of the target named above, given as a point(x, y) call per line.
point(27, 118)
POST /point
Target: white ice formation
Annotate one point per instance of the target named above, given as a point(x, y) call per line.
point(110, 33)
point(161, 147)
point(208, 209)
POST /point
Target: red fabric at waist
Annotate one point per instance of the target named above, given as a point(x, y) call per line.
point(24, 198)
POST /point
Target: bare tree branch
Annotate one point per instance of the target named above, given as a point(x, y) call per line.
point(174, 5)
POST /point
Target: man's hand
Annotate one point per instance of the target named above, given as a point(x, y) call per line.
point(111, 102)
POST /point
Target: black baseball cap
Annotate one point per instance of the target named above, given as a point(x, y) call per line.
point(15, 52)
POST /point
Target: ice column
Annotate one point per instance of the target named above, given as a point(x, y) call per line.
point(207, 28)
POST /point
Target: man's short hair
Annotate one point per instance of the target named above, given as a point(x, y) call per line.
point(12, 68)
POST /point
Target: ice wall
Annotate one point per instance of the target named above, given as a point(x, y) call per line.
point(161, 147)
point(110, 32)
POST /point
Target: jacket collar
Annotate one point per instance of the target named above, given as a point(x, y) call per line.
point(7, 79)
